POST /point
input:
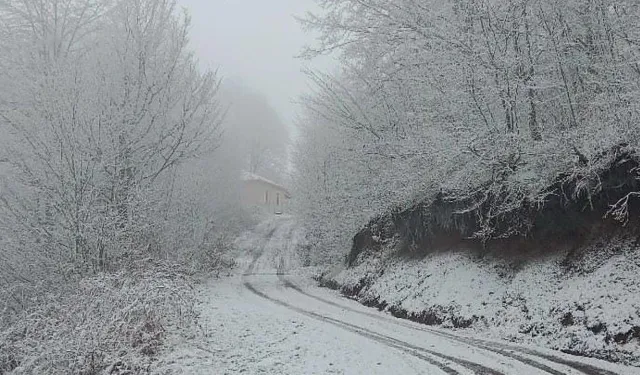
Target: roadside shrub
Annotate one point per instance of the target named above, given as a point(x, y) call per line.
point(112, 320)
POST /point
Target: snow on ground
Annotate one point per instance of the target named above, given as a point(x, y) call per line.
point(244, 333)
point(260, 321)
point(585, 307)
point(247, 334)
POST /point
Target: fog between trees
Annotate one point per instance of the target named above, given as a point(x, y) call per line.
point(121, 158)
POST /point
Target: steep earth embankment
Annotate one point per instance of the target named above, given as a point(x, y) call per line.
point(553, 268)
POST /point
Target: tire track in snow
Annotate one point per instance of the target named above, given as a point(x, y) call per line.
point(259, 253)
point(386, 340)
point(354, 329)
point(505, 350)
point(351, 328)
point(508, 351)
point(530, 362)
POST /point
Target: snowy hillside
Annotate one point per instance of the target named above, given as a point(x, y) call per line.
point(587, 306)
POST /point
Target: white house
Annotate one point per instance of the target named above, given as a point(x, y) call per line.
point(266, 194)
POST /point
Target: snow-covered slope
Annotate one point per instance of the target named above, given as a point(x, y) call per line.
point(559, 266)
point(582, 300)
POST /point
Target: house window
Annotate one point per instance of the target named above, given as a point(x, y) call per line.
point(266, 197)
point(277, 199)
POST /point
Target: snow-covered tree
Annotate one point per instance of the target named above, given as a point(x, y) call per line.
point(459, 94)
point(102, 99)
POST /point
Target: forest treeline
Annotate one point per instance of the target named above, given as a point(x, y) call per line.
point(120, 180)
point(472, 99)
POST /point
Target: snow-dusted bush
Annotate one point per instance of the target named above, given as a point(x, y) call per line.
point(111, 320)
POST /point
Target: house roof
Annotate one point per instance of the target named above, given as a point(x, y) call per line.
point(254, 177)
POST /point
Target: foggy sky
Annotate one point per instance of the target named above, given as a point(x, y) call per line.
point(256, 41)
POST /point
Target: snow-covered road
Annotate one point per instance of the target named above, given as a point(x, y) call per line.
point(268, 321)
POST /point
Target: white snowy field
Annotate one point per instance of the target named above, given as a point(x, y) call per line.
point(268, 321)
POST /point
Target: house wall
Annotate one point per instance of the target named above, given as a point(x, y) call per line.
point(267, 196)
